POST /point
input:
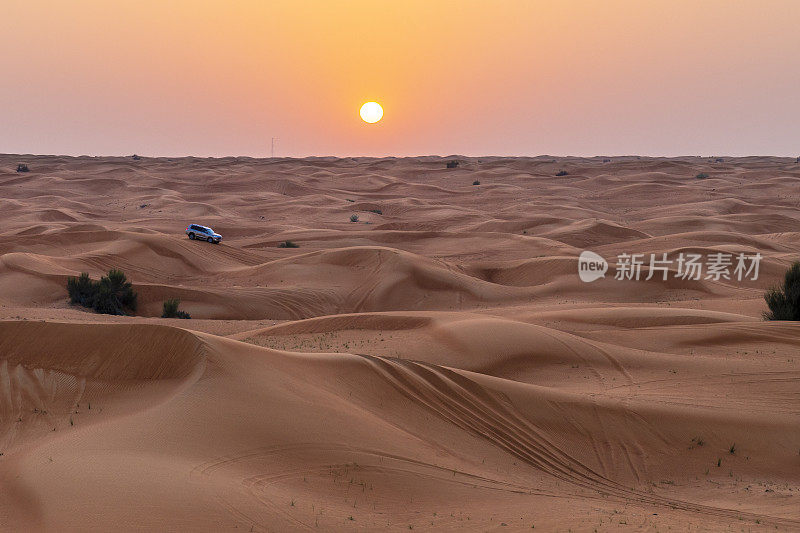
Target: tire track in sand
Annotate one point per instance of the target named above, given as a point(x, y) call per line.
point(468, 405)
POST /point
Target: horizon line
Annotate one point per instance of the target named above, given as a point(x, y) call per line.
point(418, 156)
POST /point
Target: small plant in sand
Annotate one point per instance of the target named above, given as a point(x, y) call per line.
point(115, 294)
point(562, 173)
point(701, 176)
point(476, 182)
point(288, 244)
point(784, 301)
point(171, 309)
point(112, 295)
point(376, 211)
point(452, 164)
point(81, 290)
point(354, 218)
point(22, 168)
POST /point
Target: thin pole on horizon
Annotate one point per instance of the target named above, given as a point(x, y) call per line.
point(272, 149)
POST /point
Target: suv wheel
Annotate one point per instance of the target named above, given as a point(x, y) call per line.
point(210, 239)
point(191, 236)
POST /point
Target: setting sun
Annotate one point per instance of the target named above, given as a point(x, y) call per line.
point(371, 112)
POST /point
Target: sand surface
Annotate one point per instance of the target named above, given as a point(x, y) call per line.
point(437, 365)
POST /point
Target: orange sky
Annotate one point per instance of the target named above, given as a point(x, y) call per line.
point(202, 77)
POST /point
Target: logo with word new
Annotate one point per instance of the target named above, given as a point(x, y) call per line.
point(591, 266)
point(716, 266)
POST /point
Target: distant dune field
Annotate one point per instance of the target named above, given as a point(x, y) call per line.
point(437, 364)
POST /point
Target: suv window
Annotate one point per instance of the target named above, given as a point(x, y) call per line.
point(197, 228)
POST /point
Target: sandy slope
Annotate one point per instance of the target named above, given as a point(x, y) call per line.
point(436, 365)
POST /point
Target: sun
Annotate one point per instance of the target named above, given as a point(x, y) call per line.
point(371, 112)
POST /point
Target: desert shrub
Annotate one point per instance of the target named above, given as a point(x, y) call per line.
point(135, 157)
point(452, 164)
point(288, 244)
point(353, 218)
point(115, 294)
point(112, 295)
point(606, 160)
point(171, 309)
point(376, 211)
point(701, 176)
point(784, 301)
point(105, 301)
point(562, 173)
point(476, 182)
point(81, 290)
point(22, 168)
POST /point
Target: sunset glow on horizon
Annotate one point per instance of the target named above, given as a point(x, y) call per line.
point(508, 78)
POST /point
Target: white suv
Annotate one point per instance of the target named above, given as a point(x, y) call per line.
point(203, 233)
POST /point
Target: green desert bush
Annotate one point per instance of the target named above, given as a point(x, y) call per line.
point(288, 244)
point(701, 176)
point(115, 294)
point(353, 218)
point(562, 173)
point(476, 182)
point(784, 301)
point(81, 290)
point(112, 295)
point(171, 309)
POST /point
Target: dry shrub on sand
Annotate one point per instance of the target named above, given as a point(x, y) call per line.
point(112, 295)
point(784, 301)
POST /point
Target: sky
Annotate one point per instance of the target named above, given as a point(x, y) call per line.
point(501, 77)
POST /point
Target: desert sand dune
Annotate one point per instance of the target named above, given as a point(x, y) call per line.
point(436, 364)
